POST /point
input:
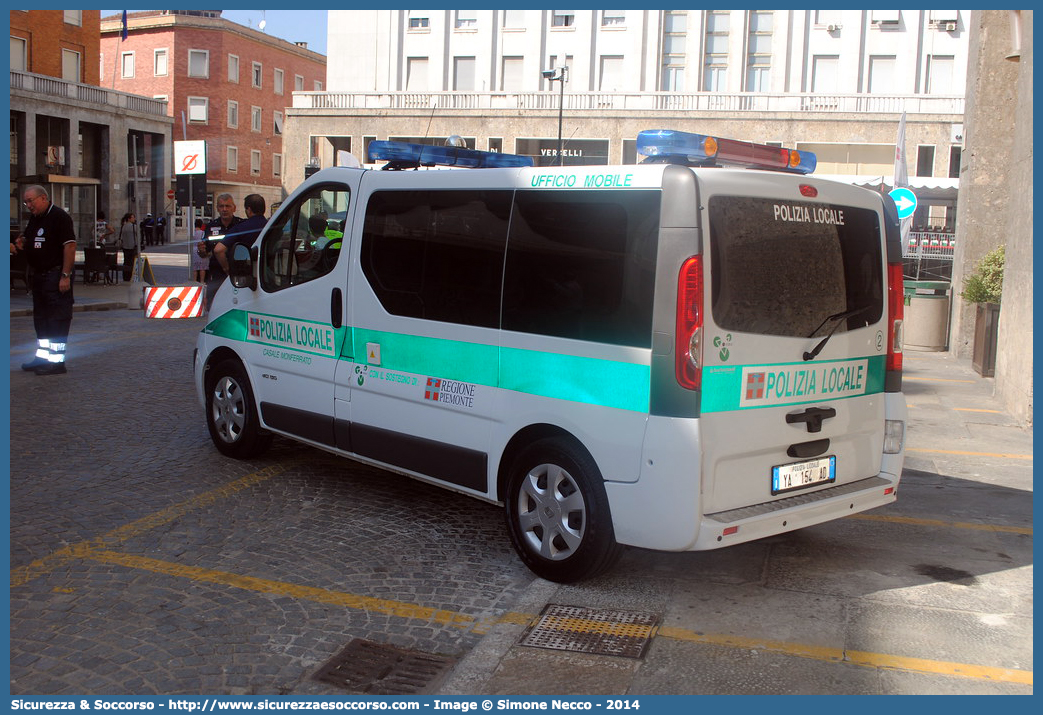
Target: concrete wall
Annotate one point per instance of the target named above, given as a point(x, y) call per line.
point(1014, 370)
point(995, 202)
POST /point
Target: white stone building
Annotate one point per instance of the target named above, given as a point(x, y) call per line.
point(830, 81)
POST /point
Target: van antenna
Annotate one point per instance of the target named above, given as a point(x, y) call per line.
point(566, 142)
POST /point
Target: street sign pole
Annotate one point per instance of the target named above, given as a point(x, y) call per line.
point(190, 159)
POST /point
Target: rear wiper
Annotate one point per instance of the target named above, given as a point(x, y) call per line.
point(838, 317)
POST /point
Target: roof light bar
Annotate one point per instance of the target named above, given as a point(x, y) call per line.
point(405, 155)
point(670, 146)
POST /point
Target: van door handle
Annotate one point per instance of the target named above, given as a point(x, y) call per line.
point(812, 417)
point(336, 308)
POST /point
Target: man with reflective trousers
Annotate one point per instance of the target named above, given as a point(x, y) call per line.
point(49, 241)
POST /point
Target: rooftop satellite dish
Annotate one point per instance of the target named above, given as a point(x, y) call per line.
point(261, 25)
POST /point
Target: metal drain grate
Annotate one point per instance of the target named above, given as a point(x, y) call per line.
point(380, 669)
point(597, 631)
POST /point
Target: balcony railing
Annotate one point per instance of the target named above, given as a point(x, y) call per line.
point(636, 101)
point(54, 87)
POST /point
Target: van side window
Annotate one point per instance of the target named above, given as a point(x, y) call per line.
point(437, 255)
point(781, 268)
point(581, 264)
point(305, 243)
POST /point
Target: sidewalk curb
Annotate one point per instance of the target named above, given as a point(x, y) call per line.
point(76, 308)
point(480, 664)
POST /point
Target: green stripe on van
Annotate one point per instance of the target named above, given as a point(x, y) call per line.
point(435, 357)
point(747, 387)
point(593, 381)
point(608, 383)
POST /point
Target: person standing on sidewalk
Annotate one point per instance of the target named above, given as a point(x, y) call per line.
point(129, 241)
point(201, 254)
point(49, 241)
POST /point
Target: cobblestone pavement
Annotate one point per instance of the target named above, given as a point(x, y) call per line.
point(144, 562)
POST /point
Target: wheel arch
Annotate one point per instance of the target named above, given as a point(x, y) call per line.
point(522, 439)
point(219, 355)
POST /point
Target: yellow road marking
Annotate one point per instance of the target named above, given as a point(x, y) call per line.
point(870, 660)
point(99, 550)
point(24, 574)
point(283, 588)
point(951, 524)
point(452, 618)
point(998, 455)
point(976, 409)
point(606, 628)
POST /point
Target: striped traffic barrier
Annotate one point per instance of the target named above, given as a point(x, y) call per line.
point(174, 301)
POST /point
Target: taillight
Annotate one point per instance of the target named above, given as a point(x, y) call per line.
point(688, 352)
point(895, 313)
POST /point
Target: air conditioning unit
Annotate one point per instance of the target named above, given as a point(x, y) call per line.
point(949, 26)
point(834, 28)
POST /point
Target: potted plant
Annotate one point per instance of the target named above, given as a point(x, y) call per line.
point(984, 288)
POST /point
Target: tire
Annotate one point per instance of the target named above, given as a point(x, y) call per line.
point(557, 512)
point(231, 413)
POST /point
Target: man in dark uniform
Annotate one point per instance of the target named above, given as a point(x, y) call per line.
point(245, 232)
point(215, 232)
point(49, 241)
point(147, 228)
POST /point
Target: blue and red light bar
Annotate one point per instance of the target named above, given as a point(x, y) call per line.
point(408, 155)
point(668, 145)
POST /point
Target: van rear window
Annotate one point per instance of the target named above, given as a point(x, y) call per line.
point(783, 267)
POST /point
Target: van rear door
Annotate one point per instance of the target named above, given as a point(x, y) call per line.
point(795, 336)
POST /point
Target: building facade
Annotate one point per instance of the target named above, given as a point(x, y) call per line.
point(995, 204)
point(224, 83)
point(95, 149)
point(832, 82)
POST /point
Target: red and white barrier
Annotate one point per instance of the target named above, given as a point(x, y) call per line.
point(174, 301)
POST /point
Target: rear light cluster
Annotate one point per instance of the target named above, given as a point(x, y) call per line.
point(688, 350)
point(895, 315)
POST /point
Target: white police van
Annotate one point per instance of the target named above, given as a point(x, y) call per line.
point(668, 355)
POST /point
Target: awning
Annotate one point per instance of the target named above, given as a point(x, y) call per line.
point(926, 188)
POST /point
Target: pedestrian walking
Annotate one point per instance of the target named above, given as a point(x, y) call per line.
point(201, 254)
point(148, 226)
point(130, 242)
point(102, 230)
point(49, 240)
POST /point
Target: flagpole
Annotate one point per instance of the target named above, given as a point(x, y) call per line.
point(901, 177)
point(119, 45)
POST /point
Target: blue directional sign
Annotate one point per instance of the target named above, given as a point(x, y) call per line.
point(905, 201)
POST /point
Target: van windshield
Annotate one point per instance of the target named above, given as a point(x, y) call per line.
point(783, 267)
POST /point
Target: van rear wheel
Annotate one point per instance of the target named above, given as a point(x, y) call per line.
point(231, 414)
point(557, 512)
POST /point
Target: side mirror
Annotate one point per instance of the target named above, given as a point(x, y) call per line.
point(241, 268)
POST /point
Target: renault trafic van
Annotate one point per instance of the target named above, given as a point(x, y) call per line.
point(685, 354)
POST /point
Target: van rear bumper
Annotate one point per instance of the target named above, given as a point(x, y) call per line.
point(756, 521)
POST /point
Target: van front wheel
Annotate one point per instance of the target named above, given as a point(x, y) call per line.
point(231, 415)
point(557, 513)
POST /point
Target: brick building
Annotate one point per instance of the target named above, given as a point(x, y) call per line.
point(57, 43)
point(95, 149)
point(224, 83)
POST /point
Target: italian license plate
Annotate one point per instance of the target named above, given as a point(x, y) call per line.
point(800, 475)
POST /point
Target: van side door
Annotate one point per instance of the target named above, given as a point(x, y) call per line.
point(426, 310)
point(296, 322)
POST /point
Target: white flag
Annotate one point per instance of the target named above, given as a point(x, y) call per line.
point(901, 177)
point(901, 170)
